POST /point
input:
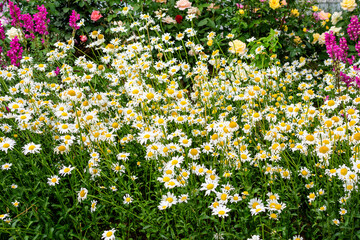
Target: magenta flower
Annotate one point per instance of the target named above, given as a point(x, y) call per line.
point(357, 48)
point(354, 28)
point(2, 32)
point(73, 18)
point(41, 21)
point(57, 71)
point(15, 52)
point(15, 14)
point(28, 24)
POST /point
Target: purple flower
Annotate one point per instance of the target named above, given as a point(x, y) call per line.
point(336, 52)
point(57, 71)
point(2, 32)
point(316, 16)
point(28, 24)
point(357, 47)
point(354, 28)
point(15, 52)
point(238, 5)
point(41, 21)
point(73, 18)
point(15, 14)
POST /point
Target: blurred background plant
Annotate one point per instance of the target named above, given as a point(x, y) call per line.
point(299, 24)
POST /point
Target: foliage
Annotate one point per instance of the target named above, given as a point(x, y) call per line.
point(142, 132)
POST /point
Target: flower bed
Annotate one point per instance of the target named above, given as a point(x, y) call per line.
point(155, 130)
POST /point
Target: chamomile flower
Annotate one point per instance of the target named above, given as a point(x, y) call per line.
point(311, 197)
point(7, 144)
point(185, 142)
point(194, 153)
point(304, 172)
point(183, 198)
point(123, 156)
point(127, 199)
point(235, 198)
point(31, 148)
point(15, 203)
point(66, 170)
point(82, 194)
point(6, 166)
point(209, 186)
point(93, 206)
point(163, 205)
point(297, 237)
point(342, 211)
point(336, 222)
point(259, 208)
point(221, 211)
point(322, 208)
point(52, 181)
point(254, 203)
point(3, 216)
point(109, 234)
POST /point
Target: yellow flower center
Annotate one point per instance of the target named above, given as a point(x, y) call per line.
point(323, 149)
point(193, 152)
point(331, 103)
point(343, 171)
point(82, 193)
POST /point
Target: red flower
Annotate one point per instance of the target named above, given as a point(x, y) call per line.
point(178, 18)
point(83, 38)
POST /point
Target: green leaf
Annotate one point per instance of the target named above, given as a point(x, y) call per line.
point(211, 23)
point(352, 48)
point(203, 22)
point(200, 7)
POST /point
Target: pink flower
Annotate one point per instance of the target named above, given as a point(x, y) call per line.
point(283, 3)
point(323, 15)
point(73, 18)
point(83, 38)
point(95, 15)
point(183, 4)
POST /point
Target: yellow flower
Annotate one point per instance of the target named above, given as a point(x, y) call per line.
point(295, 12)
point(237, 47)
point(241, 11)
point(348, 5)
point(274, 4)
point(316, 37)
point(315, 8)
point(297, 40)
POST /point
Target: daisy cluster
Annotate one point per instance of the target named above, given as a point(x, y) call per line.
point(285, 125)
